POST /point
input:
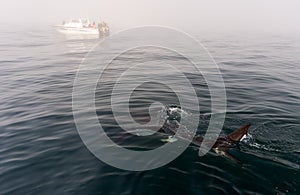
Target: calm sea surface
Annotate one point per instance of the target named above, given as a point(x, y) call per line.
point(41, 151)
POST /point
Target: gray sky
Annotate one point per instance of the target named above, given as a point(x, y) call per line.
point(264, 15)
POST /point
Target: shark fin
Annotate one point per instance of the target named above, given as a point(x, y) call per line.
point(224, 152)
point(237, 135)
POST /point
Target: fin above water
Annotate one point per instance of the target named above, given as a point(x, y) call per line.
point(237, 135)
point(224, 152)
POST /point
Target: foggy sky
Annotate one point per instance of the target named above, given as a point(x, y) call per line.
point(264, 15)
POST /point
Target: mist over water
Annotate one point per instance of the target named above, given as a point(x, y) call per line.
point(231, 15)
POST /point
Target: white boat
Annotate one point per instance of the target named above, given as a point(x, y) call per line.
point(78, 26)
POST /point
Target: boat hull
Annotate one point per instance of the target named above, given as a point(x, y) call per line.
point(74, 30)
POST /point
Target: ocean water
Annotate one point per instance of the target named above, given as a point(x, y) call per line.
point(42, 152)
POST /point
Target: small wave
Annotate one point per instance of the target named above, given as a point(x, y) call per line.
point(173, 109)
point(249, 140)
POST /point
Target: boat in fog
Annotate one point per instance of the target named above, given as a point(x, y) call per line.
point(83, 26)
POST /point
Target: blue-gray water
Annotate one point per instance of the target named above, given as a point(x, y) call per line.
point(41, 151)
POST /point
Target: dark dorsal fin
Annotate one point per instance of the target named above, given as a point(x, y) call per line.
point(238, 134)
